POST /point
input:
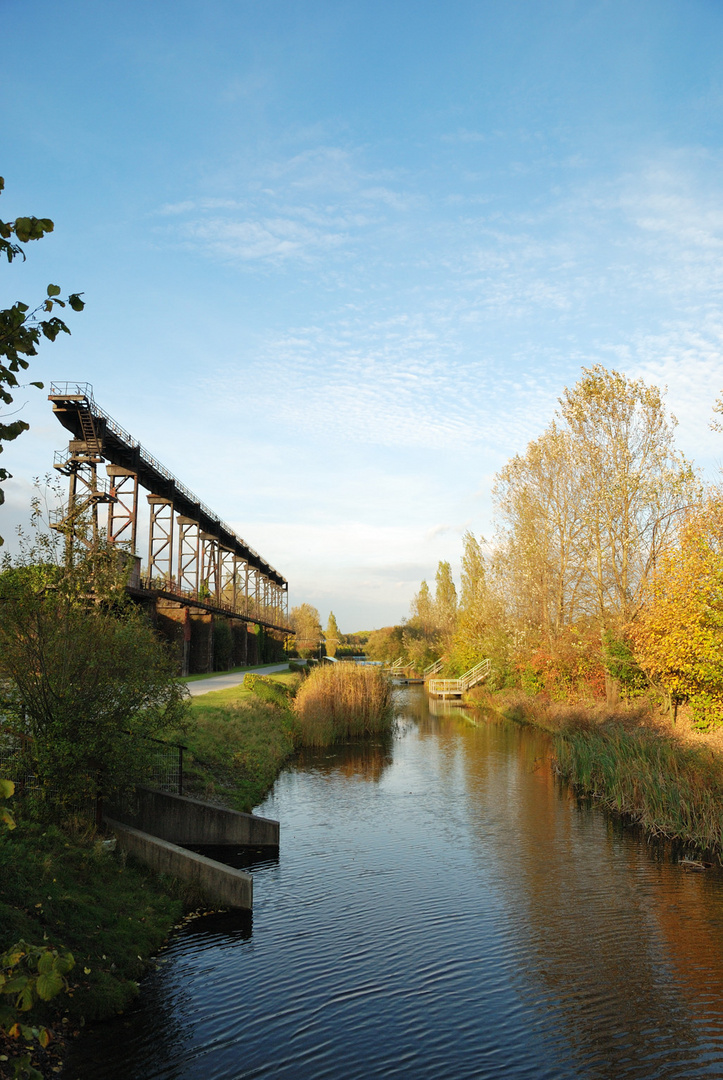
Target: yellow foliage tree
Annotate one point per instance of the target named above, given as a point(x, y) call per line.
point(678, 636)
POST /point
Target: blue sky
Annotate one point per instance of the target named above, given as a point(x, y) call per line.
point(341, 258)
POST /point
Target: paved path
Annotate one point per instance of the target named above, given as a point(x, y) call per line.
point(225, 682)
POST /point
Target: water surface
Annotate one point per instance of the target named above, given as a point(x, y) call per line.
point(440, 908)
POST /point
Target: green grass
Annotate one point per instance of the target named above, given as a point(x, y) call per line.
point(59, 888)
point(237, 743)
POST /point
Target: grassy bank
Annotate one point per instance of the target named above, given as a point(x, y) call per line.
point(634, 766)
point(237, 742)
point(61, 888)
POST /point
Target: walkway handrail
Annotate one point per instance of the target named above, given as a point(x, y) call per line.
point(433, 668)
point(475, 674)
point(457, 687)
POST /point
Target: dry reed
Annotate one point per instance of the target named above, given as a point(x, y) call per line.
point(342, 701)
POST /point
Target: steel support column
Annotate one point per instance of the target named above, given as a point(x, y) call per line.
point(160, 540)
point(208, 585)
point(123, 511)
point(227, 575)
point(189, 563)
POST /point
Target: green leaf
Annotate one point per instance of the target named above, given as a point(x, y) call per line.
point(48, 985)
point(53, 290)
point(7, 788)
point(75, 302)
point(25, 998)
point(64, 963)
point(45, 962)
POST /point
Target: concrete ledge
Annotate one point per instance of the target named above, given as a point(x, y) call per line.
point(191, 821)
point(222, 884)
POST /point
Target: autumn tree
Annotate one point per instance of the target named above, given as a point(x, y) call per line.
point(422, 610)
point(333, 636)
point(588, 508)
point(631, 481)
point(21, 328)
point(306, 625)
point(481, 627)
point(385, 644)
point(678, 635)
point(542, 560)
point(445, 600)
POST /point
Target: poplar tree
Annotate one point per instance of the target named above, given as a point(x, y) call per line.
point(306, 625)
point(333, 636)
point(445, 599)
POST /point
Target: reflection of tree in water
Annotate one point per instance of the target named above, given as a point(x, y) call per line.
point(154, 1036)
point(364, 759)
point(615, 939)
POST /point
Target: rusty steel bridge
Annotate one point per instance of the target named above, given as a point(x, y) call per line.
point(195, 559)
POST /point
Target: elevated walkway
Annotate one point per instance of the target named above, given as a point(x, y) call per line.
point(447, 688)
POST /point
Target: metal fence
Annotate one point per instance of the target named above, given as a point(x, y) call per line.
point(15, 757)
point(165, 768)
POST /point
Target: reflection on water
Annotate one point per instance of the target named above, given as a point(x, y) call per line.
point(241, 858)
point(439, 907)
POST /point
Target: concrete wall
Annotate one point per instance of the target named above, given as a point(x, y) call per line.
point(190, 821)
point(222, 884)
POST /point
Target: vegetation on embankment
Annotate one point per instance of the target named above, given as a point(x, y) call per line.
point(342, 701)
point(62, 888)
point(632, 765)
point(238, 740)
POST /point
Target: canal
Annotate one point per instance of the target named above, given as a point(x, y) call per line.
point(440, 908)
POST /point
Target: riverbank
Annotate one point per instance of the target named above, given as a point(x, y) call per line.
point(668, 779)
point(238, 743)
point(64, 886)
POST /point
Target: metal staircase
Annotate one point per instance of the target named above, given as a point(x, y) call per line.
point(457, 687)
point(432, 669)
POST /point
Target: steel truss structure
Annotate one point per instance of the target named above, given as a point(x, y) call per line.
point(194, 558)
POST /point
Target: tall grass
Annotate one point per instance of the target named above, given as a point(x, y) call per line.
point(672, 790)
point(340, 701)
point(618, 755)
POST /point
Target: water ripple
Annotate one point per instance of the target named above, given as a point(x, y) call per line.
point(447, 913)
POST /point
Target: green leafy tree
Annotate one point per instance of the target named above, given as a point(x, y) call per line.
point(87, 674)
point(28, 974)
point(21, 329)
